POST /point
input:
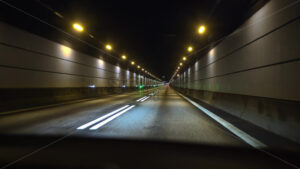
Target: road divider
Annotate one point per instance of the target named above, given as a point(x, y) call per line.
point(112, 115)
point(141, 99)
point(144, 99)
point(101, 118)
point(95, 127)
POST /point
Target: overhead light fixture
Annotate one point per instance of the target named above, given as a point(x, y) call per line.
point(78, 27)
point(108, 47)
point(124, 57)
point(201, 29)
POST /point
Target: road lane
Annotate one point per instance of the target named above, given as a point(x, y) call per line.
point(166, 116)
point(157, 115)
point(60, 120)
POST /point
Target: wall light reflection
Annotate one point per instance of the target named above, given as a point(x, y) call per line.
point(92, 86)
point(117, 69)
point(211, 56)
point(66, 51)
point(101, 63)
point(211, 52)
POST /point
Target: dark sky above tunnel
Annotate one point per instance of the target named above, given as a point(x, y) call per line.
point(153, 33)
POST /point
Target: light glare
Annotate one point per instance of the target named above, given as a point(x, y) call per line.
point(78, 27)
point(92, 86)
point(108, 47)
point(201, 29)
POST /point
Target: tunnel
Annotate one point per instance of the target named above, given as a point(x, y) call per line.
point(115, 84)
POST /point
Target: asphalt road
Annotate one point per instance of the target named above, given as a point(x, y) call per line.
point(164, 115)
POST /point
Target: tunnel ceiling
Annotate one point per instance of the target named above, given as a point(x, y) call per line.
point(154, 33)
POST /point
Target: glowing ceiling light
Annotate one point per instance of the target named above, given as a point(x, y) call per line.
point(190, 48)
point(108, 47)
point(78, 27)
point(124, 57)
point(180, 64)
point(201, 29)
point(184, 58)
point(132, 62)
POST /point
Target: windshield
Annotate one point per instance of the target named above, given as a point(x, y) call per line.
point(210, 73)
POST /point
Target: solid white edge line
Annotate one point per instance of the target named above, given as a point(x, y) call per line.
point(100, 118)
point(95, 127)
point(145, 99)
point(140, 98)
point(241, 134)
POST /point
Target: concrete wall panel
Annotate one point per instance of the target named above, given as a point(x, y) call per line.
point(30, 61)
point(254, 72)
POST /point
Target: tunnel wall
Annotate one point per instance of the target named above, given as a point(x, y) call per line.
point(36, 71)
point(254, 72)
